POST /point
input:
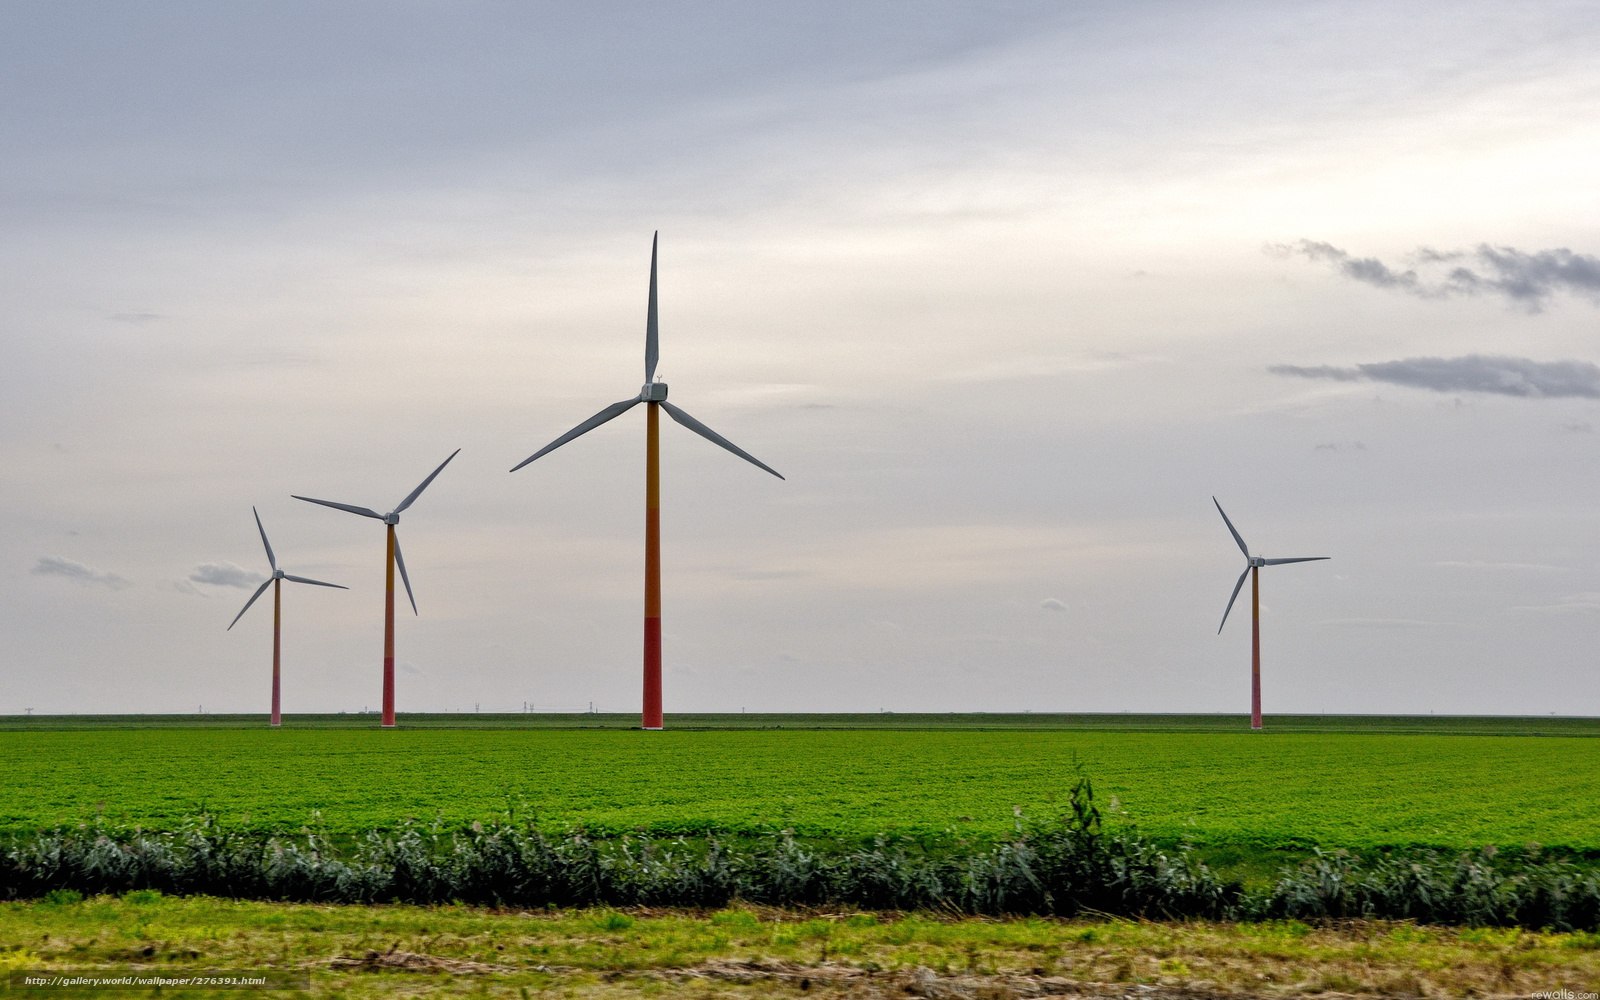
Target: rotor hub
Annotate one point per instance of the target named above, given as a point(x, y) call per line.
point(391, 518)
point(653, 392)
point(1256, 562)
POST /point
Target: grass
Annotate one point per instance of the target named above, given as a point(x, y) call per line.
point(748, 952)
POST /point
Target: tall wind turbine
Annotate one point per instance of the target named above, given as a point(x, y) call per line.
point(392, 559)
point(654, 395)
point(1252, 567)
point(276, 581)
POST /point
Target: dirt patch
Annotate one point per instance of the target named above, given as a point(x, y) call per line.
point(395, 960)
point(847, 980)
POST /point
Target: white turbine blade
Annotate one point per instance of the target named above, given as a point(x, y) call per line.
point(363, 511)
point(651, 327)
point(317, 583)
point(410, 499)
point(259, 591)
point(1280, 562)
point(1231, 530)
point(272, 560)
point(715, 438)
point(400, 561)
point(1232, 598)
point(609, 413)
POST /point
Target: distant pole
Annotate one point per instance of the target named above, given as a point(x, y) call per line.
point(388, 635)
point(652, 569)
point(277, 624)
point(1255, 648)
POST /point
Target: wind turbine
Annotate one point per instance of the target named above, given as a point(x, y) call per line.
point(276, 581)
point(654, 395)
point(392, 559)
point(1252, 567)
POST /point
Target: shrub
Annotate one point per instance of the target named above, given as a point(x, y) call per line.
point(1065, 866)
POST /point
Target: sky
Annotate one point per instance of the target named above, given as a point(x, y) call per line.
point(1007, 291)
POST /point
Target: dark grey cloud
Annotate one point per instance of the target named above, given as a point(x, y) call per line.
point(226, 575)
point(78, 573)
point(1526, 279)
point(1474, 373)
point(1368, 270)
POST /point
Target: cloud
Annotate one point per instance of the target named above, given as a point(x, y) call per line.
point(226, 575)
point(766, 574)
point(1052, 604)
point(1586, 603)
point(1368, 270)
point(1502, 376)
point(1397, 623)
point(137, 318)
point(1049, 366)
point(1521, 566)
point(1522, 278)
point(79, 573)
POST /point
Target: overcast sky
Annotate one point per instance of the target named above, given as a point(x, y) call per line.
point(1007, 291)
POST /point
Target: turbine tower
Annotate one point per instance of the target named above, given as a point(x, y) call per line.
point(654, 395)
point(276, 580)
point(1252, 567)
point(392, 559)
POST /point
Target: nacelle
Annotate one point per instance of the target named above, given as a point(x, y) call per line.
point(653, 392)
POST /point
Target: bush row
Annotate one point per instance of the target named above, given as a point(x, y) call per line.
point(1064, 867)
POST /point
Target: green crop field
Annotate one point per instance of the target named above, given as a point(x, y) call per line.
point(1455, 784)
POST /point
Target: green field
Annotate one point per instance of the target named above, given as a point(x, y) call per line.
point(1360, 782)
point(1250, 801)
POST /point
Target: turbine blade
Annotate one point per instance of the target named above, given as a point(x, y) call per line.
point(411, 498)
point(1232, 598)
point(400, 561)
point(259, 591)
point(715, 438)
point(319, 583)
point(272, 560)
point(1231, 530)
point(651, 327)
point(610, 412)
point(363, 511)
point(1280, 562)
